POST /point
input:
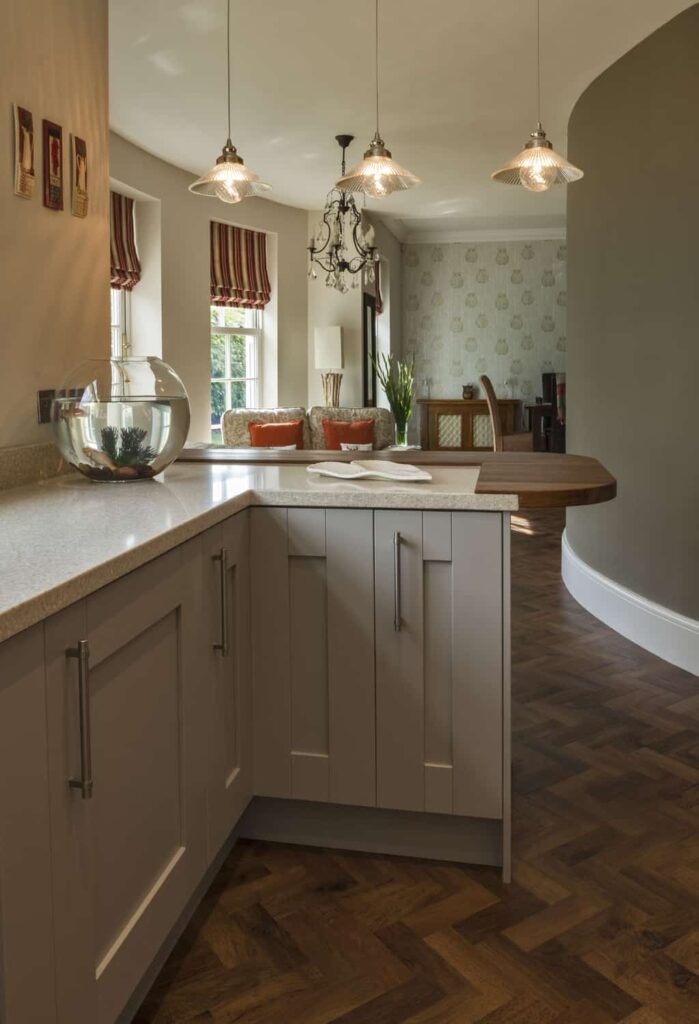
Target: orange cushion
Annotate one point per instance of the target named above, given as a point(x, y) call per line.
point(276, 435)
point(338, 432)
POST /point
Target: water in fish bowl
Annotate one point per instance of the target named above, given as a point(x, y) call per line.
point(122, 439)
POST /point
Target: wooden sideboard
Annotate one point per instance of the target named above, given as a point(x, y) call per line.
point(463, 425)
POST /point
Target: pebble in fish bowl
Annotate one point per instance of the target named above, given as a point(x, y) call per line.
point(121, 420)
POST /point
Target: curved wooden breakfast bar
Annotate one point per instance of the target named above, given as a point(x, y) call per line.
point(539, 479)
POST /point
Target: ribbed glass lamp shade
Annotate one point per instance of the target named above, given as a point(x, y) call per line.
point(229, 179)
point(377, 175)
point(538, 166)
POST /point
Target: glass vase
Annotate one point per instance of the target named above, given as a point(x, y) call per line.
point(121, 420)
point(401, 435)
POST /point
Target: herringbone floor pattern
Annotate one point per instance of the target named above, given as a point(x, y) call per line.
point(601, 923)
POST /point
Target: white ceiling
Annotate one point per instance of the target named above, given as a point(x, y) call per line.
point(457, 84)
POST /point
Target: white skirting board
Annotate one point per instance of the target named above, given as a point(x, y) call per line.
point(665, 633)
point(374, 830)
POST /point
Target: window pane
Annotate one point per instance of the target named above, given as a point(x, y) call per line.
point(115, 306)
point(218, 355)
point(234, 317)
point(238, 355)
point(218, 401)
point(238, 394)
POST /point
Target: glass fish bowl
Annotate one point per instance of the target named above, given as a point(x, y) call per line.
point(121, 420)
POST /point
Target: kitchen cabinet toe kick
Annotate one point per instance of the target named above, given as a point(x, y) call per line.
point(375, 830)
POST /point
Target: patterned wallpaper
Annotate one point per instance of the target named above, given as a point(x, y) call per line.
point(487, 307)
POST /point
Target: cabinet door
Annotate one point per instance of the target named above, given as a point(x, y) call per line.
point(313, 654)
point(126, 860)
point(26, 947)
point(226, 571)
point(439, 662)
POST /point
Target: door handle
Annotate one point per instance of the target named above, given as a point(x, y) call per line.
point(222, 559)
point(82, 654)
point(397, 617)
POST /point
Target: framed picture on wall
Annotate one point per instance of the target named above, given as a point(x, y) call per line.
point(53, 165)
point(78, 175)
point(25, 175)
point(369, 350)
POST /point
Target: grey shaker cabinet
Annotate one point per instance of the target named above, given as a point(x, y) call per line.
point(125, 861)
point(331, 655)
point(379, 660)
point(225, 568)
point(26, 943)
point(440, 662)
point(312, 596)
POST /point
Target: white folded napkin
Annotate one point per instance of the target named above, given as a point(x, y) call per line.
point(374, 469)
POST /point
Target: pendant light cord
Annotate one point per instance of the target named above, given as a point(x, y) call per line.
point(228, 63)
point(538, 62)
point(376, 59)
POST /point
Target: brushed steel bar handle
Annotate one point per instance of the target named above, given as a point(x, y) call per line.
point(82, 654)
point(397, 617)
point(222, 559)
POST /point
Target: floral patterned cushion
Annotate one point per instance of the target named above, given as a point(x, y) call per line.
point(383, 423)
point(234, 424)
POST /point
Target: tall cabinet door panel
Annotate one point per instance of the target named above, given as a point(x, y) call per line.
point(439, 662)
point(400, 710)
point(26, 945)
point(226, 582)
point(269, 596)
point(313, 668)
point(477, 663)
point(132, 854)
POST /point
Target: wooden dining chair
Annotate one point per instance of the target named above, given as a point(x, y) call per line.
point(503, 442)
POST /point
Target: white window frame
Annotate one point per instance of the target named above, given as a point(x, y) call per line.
point(120, 311)
point(253, 359)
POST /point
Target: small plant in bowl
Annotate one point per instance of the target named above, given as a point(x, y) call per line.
point(123, 455)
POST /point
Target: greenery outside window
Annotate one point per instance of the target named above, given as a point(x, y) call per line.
point(236, 336)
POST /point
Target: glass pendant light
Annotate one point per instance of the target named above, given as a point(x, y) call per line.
point(538, 166)
point(377, 175)
point(229, 179)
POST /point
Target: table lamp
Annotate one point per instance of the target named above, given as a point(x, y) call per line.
point(328, 355)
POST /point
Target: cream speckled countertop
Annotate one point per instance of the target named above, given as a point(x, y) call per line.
point(67, 537)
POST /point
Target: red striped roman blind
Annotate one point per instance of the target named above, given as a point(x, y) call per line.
point(125, 264)
point(239, 267)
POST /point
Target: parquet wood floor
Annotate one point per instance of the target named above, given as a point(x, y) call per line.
point(601, 922)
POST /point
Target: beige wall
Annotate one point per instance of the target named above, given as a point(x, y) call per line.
point(633, 315)
point(54, 285)
point(184, 225)
point(327, 307)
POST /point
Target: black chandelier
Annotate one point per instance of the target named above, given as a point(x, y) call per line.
point(340, 228)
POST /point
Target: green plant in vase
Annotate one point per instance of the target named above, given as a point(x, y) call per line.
point(398, 382)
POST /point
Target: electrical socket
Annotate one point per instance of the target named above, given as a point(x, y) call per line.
point(44, 400)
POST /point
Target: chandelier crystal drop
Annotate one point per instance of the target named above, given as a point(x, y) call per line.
point(378, 174)
point(229, 179)
point(342, 246)
point(538, 166)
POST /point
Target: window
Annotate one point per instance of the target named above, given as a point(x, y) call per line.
point(235, 362)
point(119, 333)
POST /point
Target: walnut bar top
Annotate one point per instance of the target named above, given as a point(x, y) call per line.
point(538, 479)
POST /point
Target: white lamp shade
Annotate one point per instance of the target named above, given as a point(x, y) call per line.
point(328, 348)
